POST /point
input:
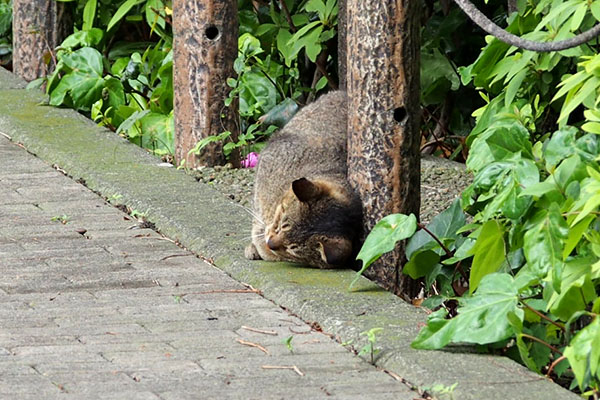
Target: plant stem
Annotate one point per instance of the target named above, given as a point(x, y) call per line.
point(446, 250)
point(287, 15)
point(540, 341)
point(539, 314)
point(321, 60)
point(554, 363)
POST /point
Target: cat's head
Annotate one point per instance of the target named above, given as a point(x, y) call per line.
point(316, 224)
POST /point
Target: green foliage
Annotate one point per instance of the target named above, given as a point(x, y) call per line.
point(280, 63)
point(288, 343)
point(5, 31)
point(126, 86)
point(524, 274)
point(370, 348)
point(383, 238)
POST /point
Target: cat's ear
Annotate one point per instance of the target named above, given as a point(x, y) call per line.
point(335, 251)
point(306, 190)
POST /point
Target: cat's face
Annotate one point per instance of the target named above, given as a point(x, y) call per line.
point(314, 224)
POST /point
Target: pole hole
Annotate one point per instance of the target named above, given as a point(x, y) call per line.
point(399, 114)
point(212, 32)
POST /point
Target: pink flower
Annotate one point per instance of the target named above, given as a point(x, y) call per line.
point(250, 161)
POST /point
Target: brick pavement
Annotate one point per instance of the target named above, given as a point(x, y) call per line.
point(92, 305)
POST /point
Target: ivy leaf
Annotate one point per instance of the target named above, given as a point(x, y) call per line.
point(421, 264)
point(575, 292)
point(583, 353)
point(84, 83)
point(517, 325)
point(383, 238)
point(543, 243)
point(115, 92)
point(443, 225)
point(488, 251)
point(482, 318)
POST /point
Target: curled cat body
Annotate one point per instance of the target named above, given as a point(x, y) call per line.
point(304, 208)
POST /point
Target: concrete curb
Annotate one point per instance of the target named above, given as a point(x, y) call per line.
point(215, 228)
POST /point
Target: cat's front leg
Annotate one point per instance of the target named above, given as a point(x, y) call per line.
point(251, 252)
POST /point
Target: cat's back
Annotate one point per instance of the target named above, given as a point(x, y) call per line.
point(312, 143)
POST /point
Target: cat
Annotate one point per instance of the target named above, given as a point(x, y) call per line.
point(305, 210)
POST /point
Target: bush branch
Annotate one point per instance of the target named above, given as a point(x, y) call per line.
point(487, 25)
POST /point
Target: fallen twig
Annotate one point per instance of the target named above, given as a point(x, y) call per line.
point(300, 332)
point(259, 330)
point(175, 255)
point(292, 367)
point(258, 346)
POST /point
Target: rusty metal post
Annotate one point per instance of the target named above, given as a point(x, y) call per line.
point(204, 49)
point(383, 119)
point(38, 27)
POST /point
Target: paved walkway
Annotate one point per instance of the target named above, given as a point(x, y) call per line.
point(93, 305)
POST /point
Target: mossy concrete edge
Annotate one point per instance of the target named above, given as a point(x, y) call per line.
point(215, 228)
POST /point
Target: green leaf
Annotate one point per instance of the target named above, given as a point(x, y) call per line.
point(303, 31)
point(482, 318)
point(383, 238)
point(152, 13)
point(590, 205)
point(121, 12)
point(514, 86)
point(575, 292)
point(497, 143)
point(421, 264)
point(489, 253)
point(84, 83)
point(322, 83)
point(578, 16)
point(88, 38)
point(543, 242)
point(443, 225)
point(312, 44)
point(583, 353)
point(89, 12)
point(560, 146)
point(574, 99)
point(281, 113)
point(115, 92)
point(517, 325)
point(317, 6)
point(539, 189)
point(570, 83)
point(131, 120)
point(595, 8)
point(570, 170)
point(575, 233)
point(283, 38)
point(158, 133)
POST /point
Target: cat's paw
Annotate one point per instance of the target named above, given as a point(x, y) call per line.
point(251, 253)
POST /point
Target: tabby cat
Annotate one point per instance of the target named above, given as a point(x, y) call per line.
point(305, 211)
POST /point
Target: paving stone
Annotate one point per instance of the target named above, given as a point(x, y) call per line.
point(97, 308)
